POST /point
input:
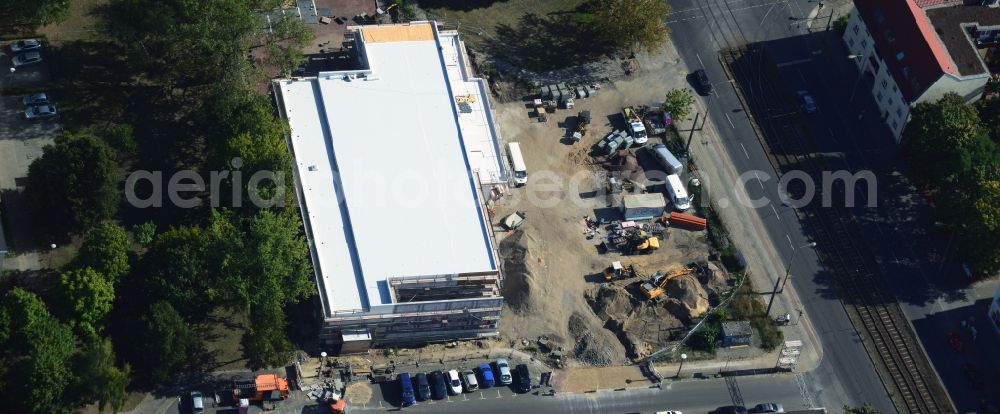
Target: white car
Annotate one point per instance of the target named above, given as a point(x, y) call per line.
point(40, 112)
point(27, 59)
point(25, 45)
point(504, 369)
point(454, 383)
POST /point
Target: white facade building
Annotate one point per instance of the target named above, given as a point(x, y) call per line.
point(908, 54)
point(390, 161)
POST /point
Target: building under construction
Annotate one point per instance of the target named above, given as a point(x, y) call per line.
point(391, 162)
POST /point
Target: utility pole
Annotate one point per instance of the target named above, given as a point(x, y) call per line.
point(788, 270)
point(687, 149)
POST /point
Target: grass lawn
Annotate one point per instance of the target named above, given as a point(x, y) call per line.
point(538, 35)
point(79, 24)
point(222, 332)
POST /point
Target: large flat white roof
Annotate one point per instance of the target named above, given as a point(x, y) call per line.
point(386, 183)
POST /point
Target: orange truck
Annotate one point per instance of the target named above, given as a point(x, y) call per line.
point(266, 387)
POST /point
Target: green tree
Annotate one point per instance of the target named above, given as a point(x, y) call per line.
point(989, 112)
point(98, 376)
point(106, 250)
point(35, 353)
point(164, 343)
point(185, 42)
point(275, 263)
point(284, 41)
point(866, 409)
point(88, 296)
point(265, 343)
point(937, 135)
point(183, 266)
point(76, 180)
point(632, 23)
point(145, 233)
point(28, 15)
point(678, 102)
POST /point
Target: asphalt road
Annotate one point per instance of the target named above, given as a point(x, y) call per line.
point(925, 273)
point(701, 28)
point(700, 396)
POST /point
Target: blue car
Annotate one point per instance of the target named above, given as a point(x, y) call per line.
point(406, 386)
point(487, 374)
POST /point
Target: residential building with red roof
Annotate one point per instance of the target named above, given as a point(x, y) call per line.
point(913, 51)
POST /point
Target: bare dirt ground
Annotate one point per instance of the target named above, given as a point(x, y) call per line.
point(546, 296)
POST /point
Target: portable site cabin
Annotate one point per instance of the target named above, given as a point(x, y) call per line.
point(643, 206)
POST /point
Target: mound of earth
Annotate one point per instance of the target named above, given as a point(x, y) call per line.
point(688, 299)
point(593, 347)
point(610, 302)
point(518, 281)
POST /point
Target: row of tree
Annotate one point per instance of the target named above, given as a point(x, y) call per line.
point(120, 315)
point(952, 149)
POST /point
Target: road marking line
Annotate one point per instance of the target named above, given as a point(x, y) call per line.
point(832, 135)
point(759, 181)
point(768, 12)
point(801, 76)
point(699, 60)
point(745, 151)
point(498, 393)
point(789, 240)
point(775, 212)
point(730, 121)
point(794, 62)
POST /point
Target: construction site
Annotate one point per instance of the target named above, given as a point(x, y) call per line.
point(609, 268)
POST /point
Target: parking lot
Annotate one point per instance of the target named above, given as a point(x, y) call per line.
point(21, 142)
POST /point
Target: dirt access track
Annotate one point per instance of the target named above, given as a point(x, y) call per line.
point(547, 294)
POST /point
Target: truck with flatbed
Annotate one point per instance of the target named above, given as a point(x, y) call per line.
point(636, 128)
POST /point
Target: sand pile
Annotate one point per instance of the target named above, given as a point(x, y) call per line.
point(593, 347)
point(687, 298)
point(610, 302)
point(518, 280)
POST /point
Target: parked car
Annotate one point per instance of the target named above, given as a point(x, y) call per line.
point(423, 387)
point(807, 102)
point(704, 84)
point(523, 378)
point(40, 112)
point(469, 381)
point(768, 408)
point(486, 373)
point(25, 45)
point(669, 412)
point(438, 385)
point(454, 384)
point(197, 403)
point(731, 409)
point(35, 99)
point(406, 388)
point(27, 59)
point(504, 368)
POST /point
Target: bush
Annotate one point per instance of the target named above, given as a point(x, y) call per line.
point(706, 339)
point(840, 25)
point(746, 305)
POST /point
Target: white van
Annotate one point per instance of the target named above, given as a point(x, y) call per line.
point(678, 194)
point(517, 163)
point(666, 159)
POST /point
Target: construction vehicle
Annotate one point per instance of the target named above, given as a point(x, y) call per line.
point(265, 387)
point(582, 122)
point(617, 271)
point(635, 125)
point(653, 287)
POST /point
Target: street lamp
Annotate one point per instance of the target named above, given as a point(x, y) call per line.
point(788, 269)
point(679, 368)
point(861, 71)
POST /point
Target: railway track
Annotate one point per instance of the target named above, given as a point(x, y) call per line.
point(891, 342)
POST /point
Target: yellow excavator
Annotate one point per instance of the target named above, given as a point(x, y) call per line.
point(653, 287)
